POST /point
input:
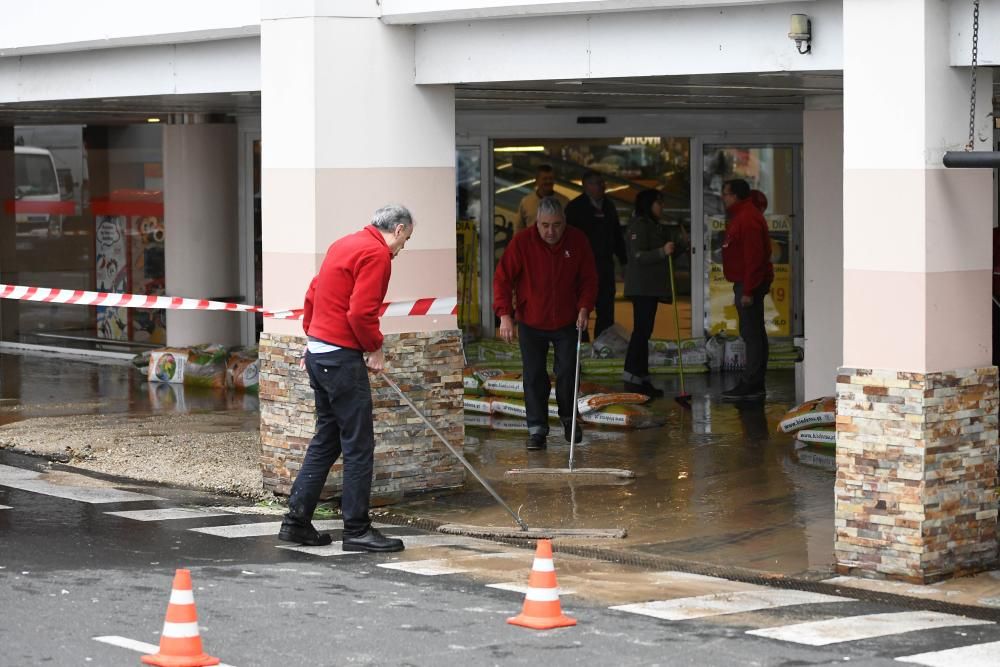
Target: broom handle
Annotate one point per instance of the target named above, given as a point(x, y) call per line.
point(454, 451)
point(576, 392)
point(677, 322)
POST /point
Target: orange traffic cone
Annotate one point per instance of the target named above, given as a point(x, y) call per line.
point(180, 643)
point(542, 610)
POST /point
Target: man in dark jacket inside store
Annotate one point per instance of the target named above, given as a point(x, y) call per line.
point(746, 262)
point(550, 268)
point(595, 215)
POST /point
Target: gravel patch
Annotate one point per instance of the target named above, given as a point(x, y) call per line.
point(216, 452)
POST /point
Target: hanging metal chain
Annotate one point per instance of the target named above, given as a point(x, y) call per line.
point(975, 61)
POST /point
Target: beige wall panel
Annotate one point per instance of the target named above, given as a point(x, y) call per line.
point(959, 324)
point(884, 320)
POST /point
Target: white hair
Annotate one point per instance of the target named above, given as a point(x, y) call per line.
point(389, 216)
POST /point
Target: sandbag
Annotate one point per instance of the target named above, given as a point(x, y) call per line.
point(243, 370)
point(824, 435)
point(482, 406)
point(512, 385)
point(482, 421)
point(817, 412)
point(593, 402)
point(167, 365)
point(613, 342)
point(624, 416)
point(206, 366)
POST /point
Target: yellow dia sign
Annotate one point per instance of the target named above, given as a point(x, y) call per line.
point(722, 316)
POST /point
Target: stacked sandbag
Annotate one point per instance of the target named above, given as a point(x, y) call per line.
point(243, 370)
point(813, 422)
point(208, 365)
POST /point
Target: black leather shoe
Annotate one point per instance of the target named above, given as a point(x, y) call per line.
point(568, 431)
point(307, 536)
point(651, 390)
point(372, 540)
point(535, 442)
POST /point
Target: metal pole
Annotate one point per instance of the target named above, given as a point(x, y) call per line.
point(454, 451)
point(576, 392)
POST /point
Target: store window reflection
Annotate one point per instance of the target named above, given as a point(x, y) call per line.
point(87, 214)
point(629, 166)
point(468, 205)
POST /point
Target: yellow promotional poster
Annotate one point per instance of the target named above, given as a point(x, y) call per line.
point(777, 305)
point(468, 273)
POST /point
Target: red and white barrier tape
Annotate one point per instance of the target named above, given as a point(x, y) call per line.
point(439, 306)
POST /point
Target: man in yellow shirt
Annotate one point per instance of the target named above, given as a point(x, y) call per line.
point(527, 211)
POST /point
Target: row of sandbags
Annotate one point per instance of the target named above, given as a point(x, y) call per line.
point(813, 422)
point(207, 365)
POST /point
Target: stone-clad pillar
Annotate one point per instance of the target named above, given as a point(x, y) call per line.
point(917, 398)
point(344, 131)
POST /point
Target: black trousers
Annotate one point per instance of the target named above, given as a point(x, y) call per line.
point(343, 426)
point(637, 356)
point(534, 350)
point(754, 335)
point(605, 307)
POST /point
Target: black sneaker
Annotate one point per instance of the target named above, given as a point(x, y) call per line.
point(649, 389)
point(305, 535)
point(536, 441)
point(568, 431)
point(373, 541)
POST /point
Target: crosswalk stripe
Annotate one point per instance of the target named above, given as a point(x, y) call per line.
point(136, 645)
point(327, 551)
point(166, 514)
point(977, 655)
point(523, 588)
point(431, 567)
point(409, 541)
point(5, 507)
point(28, 480)
point(868, 626)
point(265, 528)
point(718, 604)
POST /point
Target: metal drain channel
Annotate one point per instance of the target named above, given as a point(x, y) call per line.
point(654, 562)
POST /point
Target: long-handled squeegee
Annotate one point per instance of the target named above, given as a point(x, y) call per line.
point(488, 531)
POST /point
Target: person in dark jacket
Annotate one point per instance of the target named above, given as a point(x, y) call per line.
point(746, 262)
point(550, 269)
point(647, 284)
point(595, 215)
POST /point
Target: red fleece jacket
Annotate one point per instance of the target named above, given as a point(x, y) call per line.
point(746, 251)
point(552, 283)
point(344, 299)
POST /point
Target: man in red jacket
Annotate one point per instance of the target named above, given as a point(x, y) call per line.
point(746, 262)
point(341, 320)
point(550, 269)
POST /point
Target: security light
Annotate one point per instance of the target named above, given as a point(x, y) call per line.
point(801, 32)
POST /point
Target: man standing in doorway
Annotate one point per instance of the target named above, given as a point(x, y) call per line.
point(545, 183)
point(595, 215)
point(746, 262)
point(551, 270)
point(341, 320)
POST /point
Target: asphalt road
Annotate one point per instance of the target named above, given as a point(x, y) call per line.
point(82, 586)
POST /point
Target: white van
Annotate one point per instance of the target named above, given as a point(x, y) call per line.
point(37, 194)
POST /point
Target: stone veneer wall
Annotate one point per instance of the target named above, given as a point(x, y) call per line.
point(916, 473)
point(408, 457)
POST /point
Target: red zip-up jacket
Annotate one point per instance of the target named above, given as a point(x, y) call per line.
point(552, 283)
point(746, 251)
point(344, 299)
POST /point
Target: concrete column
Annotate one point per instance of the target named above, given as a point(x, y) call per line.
point(823, 230)
point(917, 397)
point(201, 229)
point(344, 131)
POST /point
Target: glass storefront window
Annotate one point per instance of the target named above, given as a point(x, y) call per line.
point(85, 212)
point(629, 166)
point(469, 211)
point(769, 169)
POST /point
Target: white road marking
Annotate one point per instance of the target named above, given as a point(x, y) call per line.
point(266, 528)
point(5, 507)
point(136, 645)
point(333, 549)
point(28, 480)
point(978, 655)
point(167, 514)
point(436, 540)
point(718, 604)
point(523, 588)
point(672, 577)
point(429, 568)
point(868, 626)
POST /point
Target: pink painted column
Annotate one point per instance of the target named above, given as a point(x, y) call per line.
point(917, 396)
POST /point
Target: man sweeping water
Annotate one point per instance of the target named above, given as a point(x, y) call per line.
point(550, 268)
point(341, 320)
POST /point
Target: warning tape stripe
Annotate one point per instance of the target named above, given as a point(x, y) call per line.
point(438, 306)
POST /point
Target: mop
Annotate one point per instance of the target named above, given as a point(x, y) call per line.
point(523, 530)
point(598, 475)
point(684, 398)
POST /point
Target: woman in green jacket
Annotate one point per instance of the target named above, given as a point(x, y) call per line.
point(647, 284)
